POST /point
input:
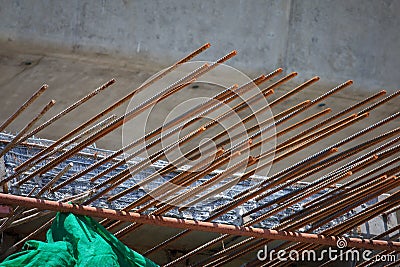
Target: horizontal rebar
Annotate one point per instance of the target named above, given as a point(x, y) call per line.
point(194, 225)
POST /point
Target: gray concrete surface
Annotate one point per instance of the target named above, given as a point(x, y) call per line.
point(336, 39)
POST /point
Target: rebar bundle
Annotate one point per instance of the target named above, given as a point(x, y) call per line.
point(218, 185)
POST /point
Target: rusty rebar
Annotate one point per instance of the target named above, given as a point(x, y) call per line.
point(338, 115)
point(69, 109)
point(257, 191)
point(195, 225)
point(30, 162)
point(23, 107)
point(208, 105)
point(18, 138)
point(108, 128)
point(178, 85)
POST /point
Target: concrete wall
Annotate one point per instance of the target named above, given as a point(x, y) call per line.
point(337, 40)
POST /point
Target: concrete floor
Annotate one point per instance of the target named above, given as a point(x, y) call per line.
point(70, 76)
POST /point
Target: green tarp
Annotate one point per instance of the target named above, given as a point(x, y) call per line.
point(75, 240)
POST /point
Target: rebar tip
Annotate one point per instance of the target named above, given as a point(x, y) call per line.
point(207, 45)
point(366, 114)
point(349, 82)
point(316, 78)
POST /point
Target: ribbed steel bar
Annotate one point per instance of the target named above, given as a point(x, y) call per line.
point(239, 249)
point(178, 85)
point(189, 155)
point(217, 177)
point(24, 106)
point(350, 200)
point(319, 184)
point(333, 199)
point(223, 187)
point(318, 125)
point(326, 163)
point(333, 194)
point(261, 189)
point(304, 221)
point(78, 137)
point(386, 233)
point(95, 92)
point(271, 212)
point(237, 91)
point(48, 186)
point(209, 183)
point(16, 213)
point(125, 174)
point(196, 250)
point(170, 167)
point(319, 114)
point(21, 242)
point(69, 109)
point(167, 207)
point(279, 174)
point(307, 83)
point(114, 155)
point(341, 113)
point(365, 215)
point(116, 123)
point(294, 91)
point(374, 191)
point(177, 180)
point(312, 159)
point(121, 177)
point(32, 161)
point(195, 225)
point(304, 143)
point(317, 213)
point(18, 138)
point(381, 102)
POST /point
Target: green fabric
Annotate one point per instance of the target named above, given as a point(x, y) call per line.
point(77, 241)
